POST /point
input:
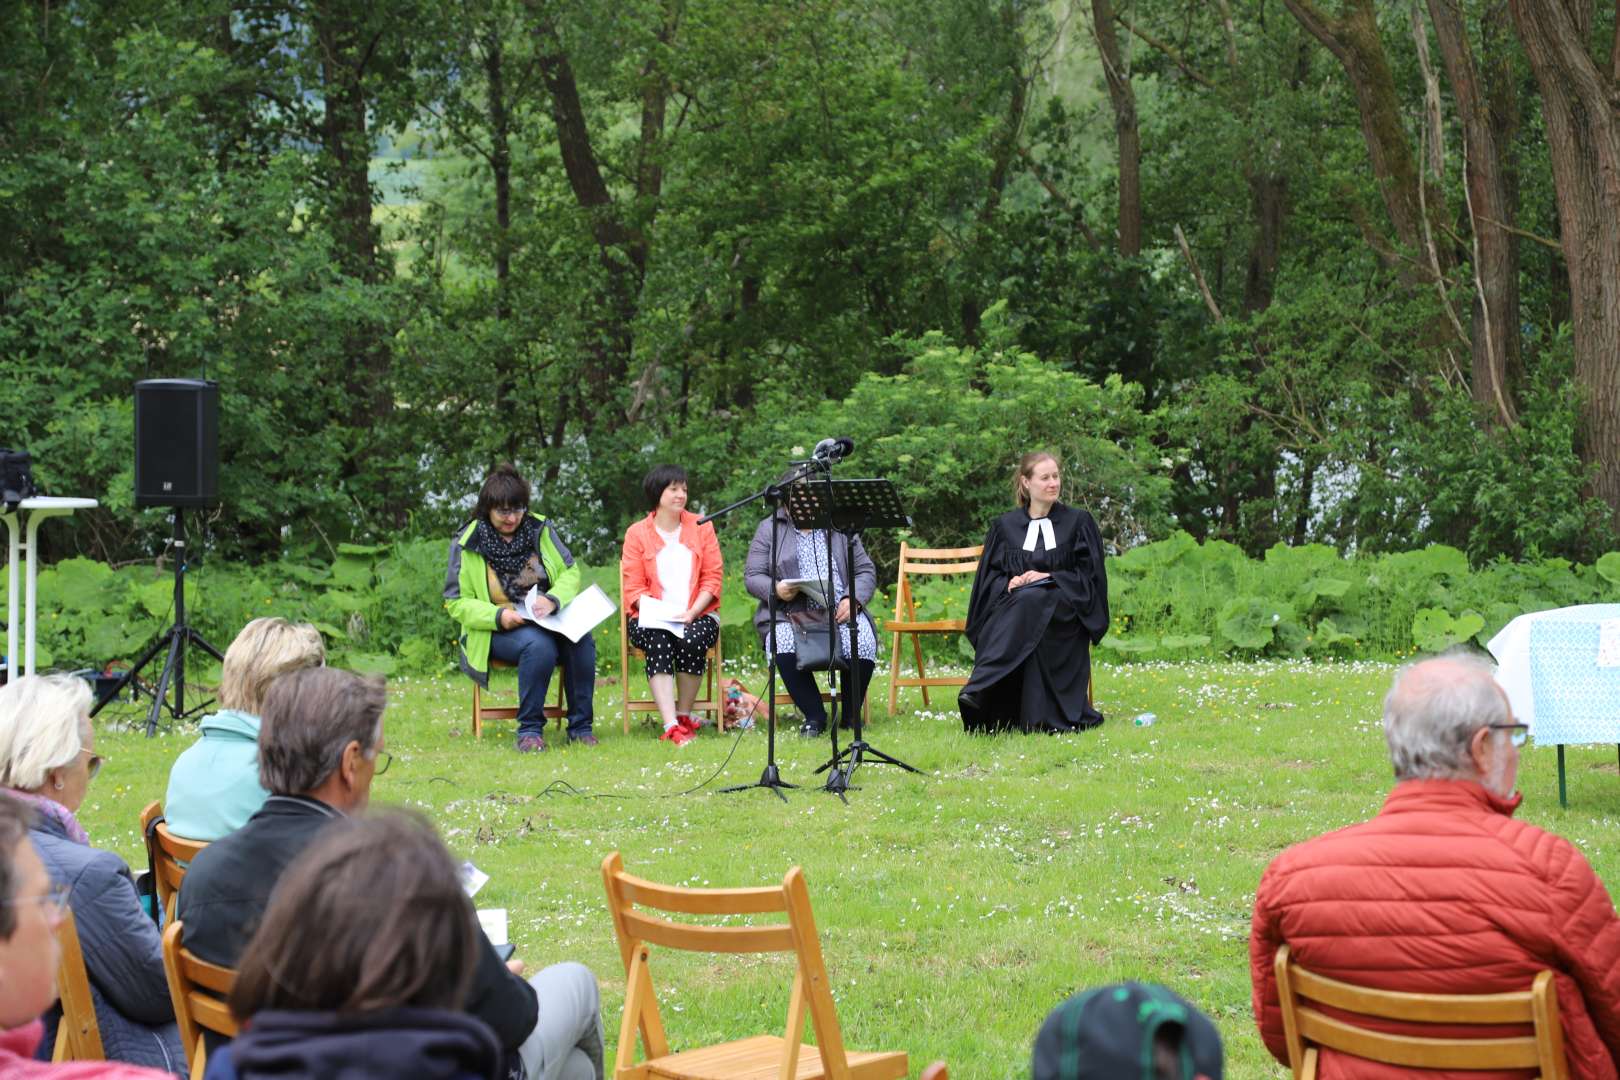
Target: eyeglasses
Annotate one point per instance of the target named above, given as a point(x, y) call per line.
point(96, 761)
point(382, 759)
point(509, 511)
point(54, 901)
point(1518, 734)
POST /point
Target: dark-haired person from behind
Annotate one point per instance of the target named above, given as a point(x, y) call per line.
point(1127, 1031)
point(669, 557)
point(495, 560)
point(362, 965)
point(1039, 603)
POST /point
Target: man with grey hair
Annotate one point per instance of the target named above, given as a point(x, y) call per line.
point(1443, 892)
point(320, 746)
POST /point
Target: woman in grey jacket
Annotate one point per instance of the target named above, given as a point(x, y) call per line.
point(47, 760)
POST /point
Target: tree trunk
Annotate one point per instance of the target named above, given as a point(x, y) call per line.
point(1583, 138)
point(1118, 76)
point(1495, 339)
point(1353, 39)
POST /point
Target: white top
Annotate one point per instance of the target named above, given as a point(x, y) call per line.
point(674, 568)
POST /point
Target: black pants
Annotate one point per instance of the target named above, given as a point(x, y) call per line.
point(801, 686)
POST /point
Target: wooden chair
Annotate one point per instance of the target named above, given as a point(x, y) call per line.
point(712, 698)
point(169, 855)
point(1307, 1028)
point(482, 712)
point(78, 1035)
point(924, 561)
point(198, 990)
point(760, 1055)
point(936, 1071)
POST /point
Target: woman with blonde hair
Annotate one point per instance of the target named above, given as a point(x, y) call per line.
point(1039, 602)
point(214, 784)
point(47, 760)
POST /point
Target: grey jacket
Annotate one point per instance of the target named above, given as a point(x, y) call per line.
point(757, 571)
point(123, 953)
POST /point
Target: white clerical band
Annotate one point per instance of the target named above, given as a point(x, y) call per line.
point(1041, 527)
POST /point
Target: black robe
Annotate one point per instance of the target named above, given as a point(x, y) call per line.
point(1032, 646)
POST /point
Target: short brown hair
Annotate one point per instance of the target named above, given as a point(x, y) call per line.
point(1026, 469)
point(309, 717)
point(263, 650)
point(371, 916)
point(504, 487)
point(15, 821)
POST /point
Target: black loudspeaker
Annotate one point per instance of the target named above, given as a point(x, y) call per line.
point(176, 442)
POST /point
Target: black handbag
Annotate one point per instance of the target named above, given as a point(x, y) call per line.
point(16, 478)
point(811, 646)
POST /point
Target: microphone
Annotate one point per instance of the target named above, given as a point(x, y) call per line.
point(834, 449)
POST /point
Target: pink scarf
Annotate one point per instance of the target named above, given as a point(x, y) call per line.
point(52, 810)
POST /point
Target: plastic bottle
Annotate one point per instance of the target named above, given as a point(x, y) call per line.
point(1146, 720)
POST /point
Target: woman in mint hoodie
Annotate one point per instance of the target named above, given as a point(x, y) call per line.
point(214, 785)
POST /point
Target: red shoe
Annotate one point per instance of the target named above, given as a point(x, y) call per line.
point(678, 735)
point(689, 722)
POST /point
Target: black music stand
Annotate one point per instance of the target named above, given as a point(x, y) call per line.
point(850, 507)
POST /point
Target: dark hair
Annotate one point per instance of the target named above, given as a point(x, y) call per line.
point(309, 717)
point(660, 478)
point(15, 820)
point(371, 916)
point(504, 487)
point(1026, 469)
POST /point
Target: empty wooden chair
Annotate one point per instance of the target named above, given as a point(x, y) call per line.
point(482, 712)
point(168, 854)
point(760, 1055)
point(928, 561)
point(710, 700)
point(198, 990)
point(1308, 1029)
point(78, 1036)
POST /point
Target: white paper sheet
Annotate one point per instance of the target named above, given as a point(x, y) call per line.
point(493, 922)
point(656, 614)
point(814, 588)
point(578, 617)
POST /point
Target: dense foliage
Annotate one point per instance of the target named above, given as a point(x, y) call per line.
point(1247, 295)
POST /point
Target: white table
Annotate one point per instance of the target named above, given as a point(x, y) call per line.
point(37, 509)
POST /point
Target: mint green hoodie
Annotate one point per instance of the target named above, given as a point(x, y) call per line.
point(214, 784)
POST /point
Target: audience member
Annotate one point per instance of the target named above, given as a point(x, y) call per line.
point(1127, 1031)
point(362, 965)
point(214, 784)
point(320, 744)
point(31, 908)
point(1443, 892)
point(47, 760)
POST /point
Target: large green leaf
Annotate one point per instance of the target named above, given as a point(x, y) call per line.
point(1249, 621)
point(1608, 567)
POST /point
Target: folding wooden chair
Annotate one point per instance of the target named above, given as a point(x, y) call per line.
point(936, 1071)
point(482, 712)
point(168, 854)
point(712, 698)
point(1307, 1028)
point(198, 990)
point(934, 561)
point(759, 1055)
point(78, 1036)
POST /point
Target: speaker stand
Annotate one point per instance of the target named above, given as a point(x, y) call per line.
point(174, 640)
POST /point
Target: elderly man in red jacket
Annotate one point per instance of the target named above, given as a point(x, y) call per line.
point(1443, 892)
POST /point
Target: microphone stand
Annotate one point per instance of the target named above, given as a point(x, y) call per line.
point(771, 778)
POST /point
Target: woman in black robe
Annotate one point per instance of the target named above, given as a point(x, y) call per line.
point(1040, 601)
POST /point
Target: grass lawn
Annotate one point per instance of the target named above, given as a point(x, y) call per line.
point(956, 907)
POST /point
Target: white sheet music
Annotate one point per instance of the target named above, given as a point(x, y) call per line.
point(578, 617)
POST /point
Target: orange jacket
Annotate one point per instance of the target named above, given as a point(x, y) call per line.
point(638, 563)
point(1444, 893)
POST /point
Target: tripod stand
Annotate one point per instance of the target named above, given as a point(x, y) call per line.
point(849, 507)
point(771, 779)
point(175, 638)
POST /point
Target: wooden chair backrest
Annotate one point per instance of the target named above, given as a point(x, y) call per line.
point(637, 931)
point(198, 990)
point(1306, 1028)
point(930, 561)
point(78, 1035)
point(169, 854)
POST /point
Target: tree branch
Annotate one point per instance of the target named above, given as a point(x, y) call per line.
point(1168, 50)
point(1198, 275)
point(1051, 189)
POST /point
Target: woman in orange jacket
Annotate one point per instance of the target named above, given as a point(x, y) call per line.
point(670, 574)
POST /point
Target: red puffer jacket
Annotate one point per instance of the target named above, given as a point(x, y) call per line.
point(1443, 892)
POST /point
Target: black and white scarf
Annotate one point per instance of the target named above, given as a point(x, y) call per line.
point(510, 558)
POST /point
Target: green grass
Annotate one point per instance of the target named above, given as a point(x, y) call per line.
point(955, 908)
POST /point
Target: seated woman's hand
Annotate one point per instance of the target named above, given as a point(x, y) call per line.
point(786, 591)
point(542, 607)
point(509, 619)
point(841, 613)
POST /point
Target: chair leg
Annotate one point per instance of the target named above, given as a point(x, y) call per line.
point(894, 672)
point(478, 713)
point(922, 672)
